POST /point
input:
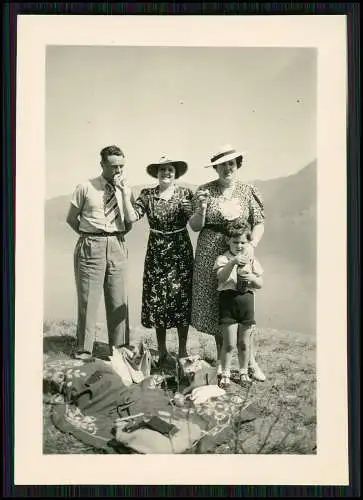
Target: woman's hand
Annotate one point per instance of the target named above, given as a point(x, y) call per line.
point(187, 206)
point(250, 250)
point(197, 220)
point(202, 198)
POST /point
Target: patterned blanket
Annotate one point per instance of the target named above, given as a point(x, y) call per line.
point(88, 399)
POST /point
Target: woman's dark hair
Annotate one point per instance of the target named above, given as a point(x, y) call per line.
point(239, 161)
point(111, 150)
point(170, 164)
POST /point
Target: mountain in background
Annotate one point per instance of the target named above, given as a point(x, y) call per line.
point(290, 210)
point(287, 253)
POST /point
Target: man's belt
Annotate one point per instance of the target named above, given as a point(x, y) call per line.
point(103, 233)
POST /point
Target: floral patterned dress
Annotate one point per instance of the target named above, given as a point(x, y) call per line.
point(168, 268)
point(246, 203)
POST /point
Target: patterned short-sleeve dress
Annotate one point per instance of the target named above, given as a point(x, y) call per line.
point(168, 267)
point(246, 201)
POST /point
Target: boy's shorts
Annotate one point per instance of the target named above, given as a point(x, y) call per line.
point(236, 307)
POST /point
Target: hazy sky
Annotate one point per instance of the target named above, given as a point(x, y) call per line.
point(183, 102)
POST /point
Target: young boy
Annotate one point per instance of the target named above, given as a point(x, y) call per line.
point(238, 278)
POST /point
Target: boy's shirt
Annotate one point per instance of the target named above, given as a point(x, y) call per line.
point(231, 282)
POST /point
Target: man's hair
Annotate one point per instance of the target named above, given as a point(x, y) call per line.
point(111, 150)
point(234, 230)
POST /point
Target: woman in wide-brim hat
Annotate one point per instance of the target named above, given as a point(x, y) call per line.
point(180, 167)
point(168, 268)
point(216, 203)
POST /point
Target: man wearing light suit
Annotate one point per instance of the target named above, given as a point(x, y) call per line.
point(96, 213)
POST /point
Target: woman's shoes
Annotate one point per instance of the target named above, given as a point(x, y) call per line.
point(255, 372)
point(225, 382)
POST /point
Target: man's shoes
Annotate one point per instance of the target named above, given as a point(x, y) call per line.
point(82, 355)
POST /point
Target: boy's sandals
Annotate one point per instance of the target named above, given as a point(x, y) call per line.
point(256, 373)
point(244, 378)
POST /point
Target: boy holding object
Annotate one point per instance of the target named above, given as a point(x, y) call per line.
point(238, 277)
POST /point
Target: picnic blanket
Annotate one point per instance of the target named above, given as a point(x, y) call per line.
point(88, 398)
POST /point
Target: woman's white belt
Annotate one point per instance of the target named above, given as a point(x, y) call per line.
point(167, 232)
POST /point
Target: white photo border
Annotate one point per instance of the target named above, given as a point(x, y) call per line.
point(328, 34)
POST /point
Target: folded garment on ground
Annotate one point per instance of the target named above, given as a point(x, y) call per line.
point(145, 440)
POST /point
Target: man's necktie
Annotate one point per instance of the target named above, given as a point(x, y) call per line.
point(111, 205)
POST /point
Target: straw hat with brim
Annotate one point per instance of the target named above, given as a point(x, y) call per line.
point(225, 153)
point(180, 167)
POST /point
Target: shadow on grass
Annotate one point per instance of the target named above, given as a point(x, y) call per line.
point(57, 344)
point(66, 345)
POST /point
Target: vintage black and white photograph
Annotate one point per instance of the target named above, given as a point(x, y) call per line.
point(180, 250)
point(168, 170)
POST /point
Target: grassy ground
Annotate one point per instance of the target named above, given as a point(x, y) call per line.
point(287, 399)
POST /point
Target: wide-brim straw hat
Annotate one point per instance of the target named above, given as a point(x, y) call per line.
point(180, 167)
point(225, 153)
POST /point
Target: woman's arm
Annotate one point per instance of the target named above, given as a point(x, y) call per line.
point(133, 210)
point(129, 211)
point(197, 220)
point(257, 233)
point(256, 215)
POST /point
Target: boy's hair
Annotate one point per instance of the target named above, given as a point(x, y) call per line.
point(233, 231)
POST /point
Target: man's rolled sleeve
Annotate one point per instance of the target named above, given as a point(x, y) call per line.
point(78, 196)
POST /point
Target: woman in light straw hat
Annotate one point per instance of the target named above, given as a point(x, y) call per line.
point(168, 269)
point(216, 204)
